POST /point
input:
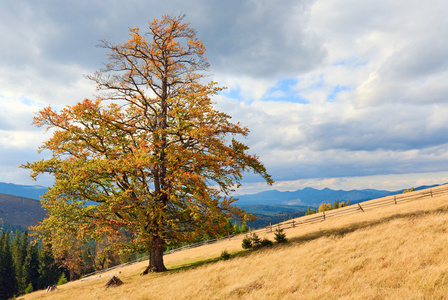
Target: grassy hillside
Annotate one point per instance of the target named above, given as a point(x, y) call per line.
point(20, 211)
point(396, 252)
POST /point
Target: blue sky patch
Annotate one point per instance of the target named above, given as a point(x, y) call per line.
point(285, 91)
point(337, 89)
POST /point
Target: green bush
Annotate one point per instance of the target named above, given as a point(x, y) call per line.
point(247, 243)
point(265, 243)
point(310, 211)
point(256, 241)
point(225, 255)
point(280, 236)
point(62, 279)
point(29, 289)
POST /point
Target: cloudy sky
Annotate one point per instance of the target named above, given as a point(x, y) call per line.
point(337, 93)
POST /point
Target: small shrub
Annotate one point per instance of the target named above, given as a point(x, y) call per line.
point(247, 243)
point(280, 236)
point(225, 255)
point(256, 241)
point(62, 279)
point(266, 243)
point(29, 289)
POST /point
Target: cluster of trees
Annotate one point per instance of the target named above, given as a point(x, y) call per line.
point(409, 190)
point(253, 242)
point(235, 228)
point(327, 206)
point(25, 266)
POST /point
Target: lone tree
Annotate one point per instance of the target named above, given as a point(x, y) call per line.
point(149, 162)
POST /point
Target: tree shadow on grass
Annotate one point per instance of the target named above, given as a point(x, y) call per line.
point(199, 263)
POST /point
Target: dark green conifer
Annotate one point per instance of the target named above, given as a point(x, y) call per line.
point(29, 289)
point(20, 247)
point(336, 204)
point(247, 243)
point(8, 283)
point(49, 272)
point(280, 236)
point(256, 241)
point(31, 267)
point(62, 280)
point(310, 211)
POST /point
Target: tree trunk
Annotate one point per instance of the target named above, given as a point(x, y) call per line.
point(156, 250)
point(72, 274)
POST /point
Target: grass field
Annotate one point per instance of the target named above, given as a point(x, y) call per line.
point(393, 252)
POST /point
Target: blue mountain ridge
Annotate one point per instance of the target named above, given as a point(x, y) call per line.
point(301, 197)
point(314, 197)
point(270, 207)
point(309, 196)
point(27, 191)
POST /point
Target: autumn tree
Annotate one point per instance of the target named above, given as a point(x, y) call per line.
point(324, 207)
point(149, 162)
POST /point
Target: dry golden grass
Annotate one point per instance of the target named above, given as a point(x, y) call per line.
point(394, 252)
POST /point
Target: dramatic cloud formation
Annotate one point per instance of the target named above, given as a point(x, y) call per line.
point(331, 89)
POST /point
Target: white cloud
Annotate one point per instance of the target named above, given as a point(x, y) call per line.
point(328, 88)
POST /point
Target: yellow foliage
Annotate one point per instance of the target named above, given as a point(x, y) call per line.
point(324, 207)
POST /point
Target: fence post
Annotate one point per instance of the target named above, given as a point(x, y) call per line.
point(293, 225)
point(431, 192)
point(395, 199)
point(360, 207)
point(323, 214)
point(270, 226)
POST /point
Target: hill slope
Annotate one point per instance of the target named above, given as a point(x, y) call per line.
point(398, 252)
point(27, 191)
point(20, 211)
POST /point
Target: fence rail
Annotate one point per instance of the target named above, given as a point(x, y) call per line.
point(310, 219)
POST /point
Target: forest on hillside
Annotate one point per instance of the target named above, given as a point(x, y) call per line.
point(27, 265)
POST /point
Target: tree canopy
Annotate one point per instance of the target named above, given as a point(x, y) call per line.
point(149, 162)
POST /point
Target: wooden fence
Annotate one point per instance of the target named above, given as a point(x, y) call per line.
point(310, 219)
point(358, 208)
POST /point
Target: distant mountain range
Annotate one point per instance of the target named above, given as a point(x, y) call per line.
point(27, 191)
point(313, 197)
point(309, 196)
point(18, 206)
